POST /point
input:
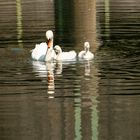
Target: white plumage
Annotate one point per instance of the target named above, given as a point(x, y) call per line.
point(86, 54)
point(64, 56)
point(39, 52)
point(44, 51)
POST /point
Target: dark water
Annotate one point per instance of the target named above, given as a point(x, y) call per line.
point(89, 100)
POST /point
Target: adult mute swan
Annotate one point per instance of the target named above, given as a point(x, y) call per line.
point(86, 54)
point(64, 56)
point(44, 51)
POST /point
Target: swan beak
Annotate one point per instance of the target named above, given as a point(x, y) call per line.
point(49, 43)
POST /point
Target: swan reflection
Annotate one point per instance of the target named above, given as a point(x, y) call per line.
point(48, 70)
point(51, 84)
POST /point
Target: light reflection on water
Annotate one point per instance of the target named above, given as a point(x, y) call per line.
point(96, 99)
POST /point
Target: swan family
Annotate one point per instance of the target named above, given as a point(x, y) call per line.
point(45, 51)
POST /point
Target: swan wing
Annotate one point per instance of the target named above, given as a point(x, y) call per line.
point(68, 55)
point(39, 51)
point(88, 56)
point(81, 54)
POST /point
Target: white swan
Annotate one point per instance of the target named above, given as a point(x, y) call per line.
point(64, 56)
point(86, 54)
point(44, 51)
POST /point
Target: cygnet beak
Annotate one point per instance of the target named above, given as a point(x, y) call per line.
point(56, 51)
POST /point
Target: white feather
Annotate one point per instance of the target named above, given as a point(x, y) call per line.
point(64, 56)
point(86, 54)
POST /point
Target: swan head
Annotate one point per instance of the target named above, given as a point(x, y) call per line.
point(49, 36)
point(57, 49)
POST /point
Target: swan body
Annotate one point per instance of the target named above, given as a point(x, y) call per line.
point(44, 51)
point(64, 56)
point(86, 54)
point(38, 53)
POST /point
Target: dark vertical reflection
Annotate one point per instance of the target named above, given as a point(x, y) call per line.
point(86, 107)
point(85, 30)
point(75, 26)
point(64, 21)
point(85, 23)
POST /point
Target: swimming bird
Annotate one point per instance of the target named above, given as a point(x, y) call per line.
point(86, 54)
point(64, 56)
point(44, 51)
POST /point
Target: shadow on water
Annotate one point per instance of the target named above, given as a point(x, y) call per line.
point(91, 100)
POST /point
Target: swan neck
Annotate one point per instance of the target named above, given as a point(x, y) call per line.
point(48, 54)
point(60, 51)
point(48, 51)
point(59, 55)
point(86, 49)
point(51, 46)
point(52, 43)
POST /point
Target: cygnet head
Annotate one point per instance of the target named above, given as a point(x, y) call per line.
point(49, 35)
point(86, 45)
point(57, 49)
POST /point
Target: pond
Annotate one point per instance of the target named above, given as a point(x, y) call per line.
point(90, 100)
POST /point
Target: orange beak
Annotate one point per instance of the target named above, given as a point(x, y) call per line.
point(49, 43)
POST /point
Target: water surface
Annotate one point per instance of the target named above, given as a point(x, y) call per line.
point(98, 99)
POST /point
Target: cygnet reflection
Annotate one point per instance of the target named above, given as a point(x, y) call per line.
point(87, 68)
